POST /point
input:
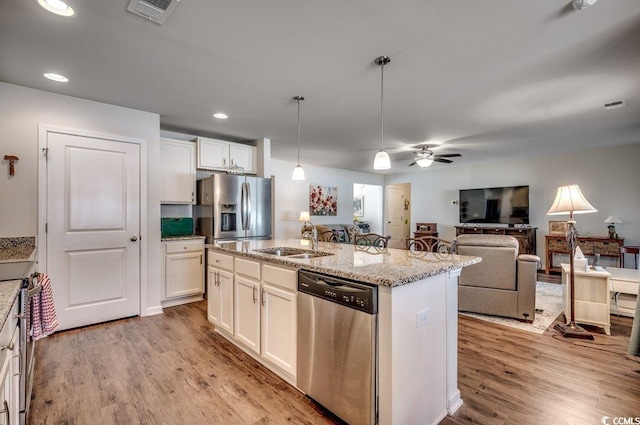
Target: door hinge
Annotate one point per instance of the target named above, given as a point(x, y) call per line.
point(45, 152)
point(46, 227)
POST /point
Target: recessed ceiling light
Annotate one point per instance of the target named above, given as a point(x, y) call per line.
point(55, 77)
point(58, 7)
point(221, 116)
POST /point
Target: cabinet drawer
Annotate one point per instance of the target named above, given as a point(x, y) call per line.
point(222, 261)
point(284, 278)
point(248, 268)
point(183, 246)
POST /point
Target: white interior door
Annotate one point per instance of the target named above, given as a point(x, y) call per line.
point(393, 213)
point(93, 221)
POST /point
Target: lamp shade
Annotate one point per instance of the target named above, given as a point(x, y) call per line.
point(569, 200)
point(613, 219)
point(382, 161)
point(304, 216)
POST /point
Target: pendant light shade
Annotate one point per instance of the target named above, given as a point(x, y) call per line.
point(382, 160)
point(298, 172)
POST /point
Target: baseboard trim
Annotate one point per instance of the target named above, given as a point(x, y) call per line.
point(152, 311)
point(454, 402)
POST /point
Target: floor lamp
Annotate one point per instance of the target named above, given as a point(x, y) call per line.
point(569, 200)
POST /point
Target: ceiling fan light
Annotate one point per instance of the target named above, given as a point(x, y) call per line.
point(424, 162)
point(382, 160)
point(582, 4)
point(298, 173)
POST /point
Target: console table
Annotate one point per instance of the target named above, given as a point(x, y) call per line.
point(591, 297)
point(526, 236)
point(589, 245)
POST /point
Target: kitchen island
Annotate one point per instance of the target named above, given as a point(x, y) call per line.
point(417, 317)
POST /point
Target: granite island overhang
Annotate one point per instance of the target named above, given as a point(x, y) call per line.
point(417, 360)
point(383, 267)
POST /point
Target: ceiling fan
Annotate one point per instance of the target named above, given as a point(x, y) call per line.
point(425, 157)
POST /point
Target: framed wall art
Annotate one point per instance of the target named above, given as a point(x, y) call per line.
point(358, 206)
point(557, 227)
point(323, 200)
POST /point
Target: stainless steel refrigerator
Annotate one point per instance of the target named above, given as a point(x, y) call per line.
point(234, 207)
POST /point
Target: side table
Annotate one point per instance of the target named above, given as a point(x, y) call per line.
point(591, 297)
point(624, 290)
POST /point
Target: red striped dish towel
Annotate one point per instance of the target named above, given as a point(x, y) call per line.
point(44, 321)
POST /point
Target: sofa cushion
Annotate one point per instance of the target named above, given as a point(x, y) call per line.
point(351, 230)
point(497, 269)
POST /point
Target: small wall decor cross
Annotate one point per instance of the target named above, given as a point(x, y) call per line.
point(11, 159)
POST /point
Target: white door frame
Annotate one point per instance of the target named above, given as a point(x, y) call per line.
point(43, 130)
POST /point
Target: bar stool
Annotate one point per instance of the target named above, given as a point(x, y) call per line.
point(635, 250)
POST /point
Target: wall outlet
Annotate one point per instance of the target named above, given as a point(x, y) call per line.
point(423, 317)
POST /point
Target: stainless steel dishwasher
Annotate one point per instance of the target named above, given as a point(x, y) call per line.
point(337, 345)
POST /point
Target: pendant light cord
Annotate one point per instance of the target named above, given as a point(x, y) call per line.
point(382, 104)
point(298, 130)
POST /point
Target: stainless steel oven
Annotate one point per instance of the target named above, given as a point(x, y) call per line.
point(30, 287)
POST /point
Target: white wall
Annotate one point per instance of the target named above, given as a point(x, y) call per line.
point(21, 111)
point(291, 197)
point(609, 178)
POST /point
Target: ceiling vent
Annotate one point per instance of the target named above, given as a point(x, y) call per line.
point(157, 11)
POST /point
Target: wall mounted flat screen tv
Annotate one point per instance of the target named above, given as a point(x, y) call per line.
point(497, 205)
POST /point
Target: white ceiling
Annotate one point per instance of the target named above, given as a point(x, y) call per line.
point(486, 79)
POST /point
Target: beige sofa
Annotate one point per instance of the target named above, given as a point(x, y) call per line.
point(503, 284)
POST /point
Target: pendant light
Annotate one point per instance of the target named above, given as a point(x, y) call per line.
point(298, 172)
point(382, 160)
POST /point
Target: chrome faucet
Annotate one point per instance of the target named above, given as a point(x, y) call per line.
point(313, 235)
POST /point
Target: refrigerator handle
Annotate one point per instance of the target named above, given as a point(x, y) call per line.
point(248, 209)
point(243, 207)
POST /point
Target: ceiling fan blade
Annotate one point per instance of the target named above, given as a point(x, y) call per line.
point(448, 155)
point(413, 163)
point(446, 161)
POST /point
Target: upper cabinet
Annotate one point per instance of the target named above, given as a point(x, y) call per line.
point(221, 155)
point(178, 162)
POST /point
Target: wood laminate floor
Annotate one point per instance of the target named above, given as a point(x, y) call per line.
point(174, 369)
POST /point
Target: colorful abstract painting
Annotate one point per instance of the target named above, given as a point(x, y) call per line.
point(323, 200)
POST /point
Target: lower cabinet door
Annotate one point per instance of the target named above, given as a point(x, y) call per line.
point(220, 298)
point(247, 313)
point(279, 327)
point(184, 274)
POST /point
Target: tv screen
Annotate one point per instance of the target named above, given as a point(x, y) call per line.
point(502, 205)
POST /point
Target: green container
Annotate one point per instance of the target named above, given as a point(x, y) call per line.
point(176, 226)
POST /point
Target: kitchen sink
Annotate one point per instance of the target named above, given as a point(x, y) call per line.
point(293, 252)
point(281, 251)
point(307, 255)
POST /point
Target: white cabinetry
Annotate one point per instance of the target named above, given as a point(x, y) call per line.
point(178, 162)
point(183, 271)
point(220, 291)
point(264, 310)
point(279, 317)
point(10, 369)
point(220, 155)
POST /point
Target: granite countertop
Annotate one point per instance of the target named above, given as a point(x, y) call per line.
point(384, 267)
point(182, 238)
point(17, 249)
point(9, 291)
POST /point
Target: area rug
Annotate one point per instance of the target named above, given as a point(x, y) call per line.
point(548, 307)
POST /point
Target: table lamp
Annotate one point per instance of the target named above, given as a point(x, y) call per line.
point(569, 200)
point(612, 220)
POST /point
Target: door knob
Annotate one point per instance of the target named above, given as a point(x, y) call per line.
point(133, 238)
